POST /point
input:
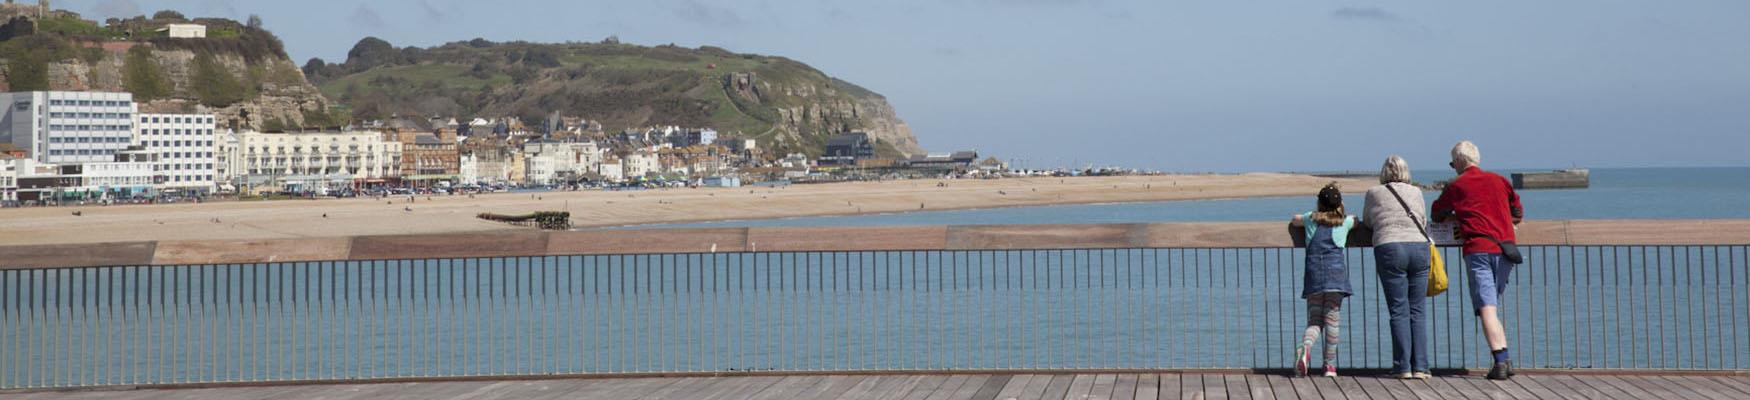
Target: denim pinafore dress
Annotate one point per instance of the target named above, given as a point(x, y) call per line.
point(1326, 271)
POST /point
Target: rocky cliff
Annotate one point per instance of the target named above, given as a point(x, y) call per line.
point(785, 105)
point(239, 73)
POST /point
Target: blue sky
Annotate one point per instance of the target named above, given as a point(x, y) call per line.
point(1179, 85)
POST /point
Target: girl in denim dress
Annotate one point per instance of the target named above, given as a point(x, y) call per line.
point(1326, 279)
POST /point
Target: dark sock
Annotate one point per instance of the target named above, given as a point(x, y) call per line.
point(1502, 355)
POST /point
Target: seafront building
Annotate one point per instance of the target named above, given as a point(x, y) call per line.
point(186, 151)
point(314, 161)
point(60, 127)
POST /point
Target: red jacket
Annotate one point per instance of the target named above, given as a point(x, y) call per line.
point(1485, 205)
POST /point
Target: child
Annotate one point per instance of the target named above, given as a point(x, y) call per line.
point(1327, 278)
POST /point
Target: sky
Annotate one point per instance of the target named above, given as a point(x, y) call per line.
point(1176, 85)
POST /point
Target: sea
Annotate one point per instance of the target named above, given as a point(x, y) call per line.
point(1615, 193)
point(1672, 307)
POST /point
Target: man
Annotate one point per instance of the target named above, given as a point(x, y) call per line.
point(1486, 209)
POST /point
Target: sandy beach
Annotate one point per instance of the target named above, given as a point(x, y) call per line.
point(445, 214)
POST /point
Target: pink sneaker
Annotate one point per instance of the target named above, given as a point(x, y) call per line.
point(1330, 371)
point(1301, 360)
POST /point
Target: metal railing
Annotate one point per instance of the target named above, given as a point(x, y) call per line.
point(1641, 307)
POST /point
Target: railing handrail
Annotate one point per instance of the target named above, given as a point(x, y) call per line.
point(512, 243)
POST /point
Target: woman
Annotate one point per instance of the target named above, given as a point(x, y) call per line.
point(1395, 211)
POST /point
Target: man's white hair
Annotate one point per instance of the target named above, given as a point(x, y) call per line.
point(1395, 170)
point(1466, 153)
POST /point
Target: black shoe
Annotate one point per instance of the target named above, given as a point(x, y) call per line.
point(1501, 371)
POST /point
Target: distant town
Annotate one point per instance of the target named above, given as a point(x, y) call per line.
point(64, 147)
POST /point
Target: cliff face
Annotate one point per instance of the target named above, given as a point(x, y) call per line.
point(786, 105)
point(276, 90)
point(238, 72)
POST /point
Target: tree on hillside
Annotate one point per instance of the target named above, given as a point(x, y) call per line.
point(169, 15)
point(213, 84)
point(254, 22)
point(142, 77)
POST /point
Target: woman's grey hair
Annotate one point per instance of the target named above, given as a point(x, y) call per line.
point(1466, 153)
point(1395, 170)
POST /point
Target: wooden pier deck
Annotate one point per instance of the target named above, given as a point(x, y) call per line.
point(983, 387)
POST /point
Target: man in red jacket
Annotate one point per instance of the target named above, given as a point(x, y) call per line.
point(1486, 209)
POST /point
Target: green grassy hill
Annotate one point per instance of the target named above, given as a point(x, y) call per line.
point(785, 104)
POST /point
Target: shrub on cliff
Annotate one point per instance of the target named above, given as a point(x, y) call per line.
point(213, 84)
point(142, 77)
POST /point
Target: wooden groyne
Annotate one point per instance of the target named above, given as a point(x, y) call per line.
point(1559, 179)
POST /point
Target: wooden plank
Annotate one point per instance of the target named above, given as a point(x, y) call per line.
point(1285, 388)
point(628, 388)
point(1738, 383)
point(750, 386)
point(1191, 387)
point(1392, 385)
point(947, 389)
point(1563, 388)
point(1423, 389)
point(1148, 387)
point(1036, 386)
point(1658, 389)
point(1329, 389)
point(1260, 387)
point(1215, 387)
point(884, 238)
point(1351, 388)
point(832, 387)
point(1590, 386)
point(1072, 236)
point(1705, 391)
point(1302, 388)
point(449, 245)
point(925, 387)
point(1015, 387)
point(679, 390)
point(1236, 387)
point(788, 387)
point(1079, 387)
point(77, 255)
point(250, 251)
point(1125, 388)
point(1537, 388)
point(901, 388)
point(1509, 387)
point(1172, 386)
point(973, 384)
point(1058, 389)
point(1103, 386)
point(865, 389)
point(1374, 387)
point(993, 385)
point(1633, 390)
point(650, 241)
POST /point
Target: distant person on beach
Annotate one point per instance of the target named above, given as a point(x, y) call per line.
point(1395, 212)
point(1487, 210)
point(1326, 278)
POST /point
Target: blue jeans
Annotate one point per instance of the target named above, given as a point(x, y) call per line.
point(1403, 274)
point(1488, 274)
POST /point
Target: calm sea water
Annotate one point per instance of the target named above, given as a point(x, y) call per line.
point(1616, 193)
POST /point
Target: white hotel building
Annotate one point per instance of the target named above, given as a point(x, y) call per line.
point(308, 161)
point(186, 148)
point(68, 127)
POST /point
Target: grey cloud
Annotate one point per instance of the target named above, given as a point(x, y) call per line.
point(366, 18)
point(1364, 14)
point(116, 9)
point(706, 14)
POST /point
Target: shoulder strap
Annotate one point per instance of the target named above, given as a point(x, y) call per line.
point(1412, 214)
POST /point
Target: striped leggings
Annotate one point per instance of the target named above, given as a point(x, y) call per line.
point(1322, 314)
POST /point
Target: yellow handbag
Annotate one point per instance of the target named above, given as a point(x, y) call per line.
point(1437, 282)
point(1436, 272)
